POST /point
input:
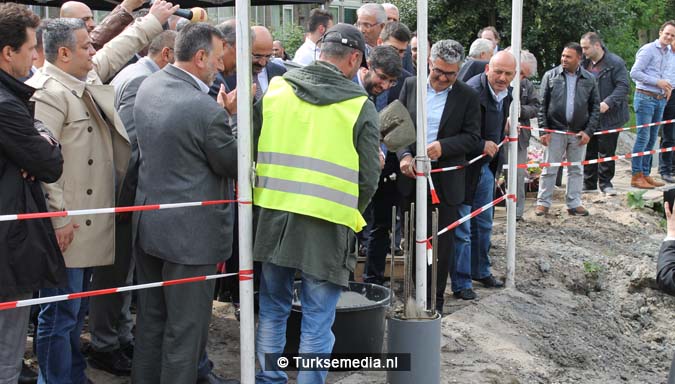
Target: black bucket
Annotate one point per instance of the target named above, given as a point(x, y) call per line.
point(357, 329)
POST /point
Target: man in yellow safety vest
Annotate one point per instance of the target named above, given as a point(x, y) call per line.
point(317, 167)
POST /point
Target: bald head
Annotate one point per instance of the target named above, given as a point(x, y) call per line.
point(501, 70)
point(77, 10)
point(262, 48)
point(262, 35)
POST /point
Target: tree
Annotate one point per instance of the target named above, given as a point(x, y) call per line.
point(547, 24)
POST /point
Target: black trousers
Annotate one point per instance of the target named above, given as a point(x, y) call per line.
point(447, 214)
point(385, 197)
point(666, 159)
point(603, 173)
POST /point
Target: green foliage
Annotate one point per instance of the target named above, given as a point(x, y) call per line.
point(636, 199)
point(592, 268)
point(547, 24)
point(292, 36)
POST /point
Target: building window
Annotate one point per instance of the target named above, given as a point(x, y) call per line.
point(288, 15)
point(335, 11)
point(350, 16)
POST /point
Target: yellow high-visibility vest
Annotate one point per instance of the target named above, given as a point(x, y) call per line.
point(307, 163)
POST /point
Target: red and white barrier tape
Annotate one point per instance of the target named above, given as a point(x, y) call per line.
point(468, 217)
point(432, 189)
point(98, 211)
point(476, 213)
point(243, 275)
point(475, 159)
point(603, 132)
point(594, 161)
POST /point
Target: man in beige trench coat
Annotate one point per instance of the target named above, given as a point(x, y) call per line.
point(75, 105)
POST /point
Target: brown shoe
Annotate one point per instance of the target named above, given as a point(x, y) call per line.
point(578, 211)
point(540, 210)
point(638, 181)
point(653, 182)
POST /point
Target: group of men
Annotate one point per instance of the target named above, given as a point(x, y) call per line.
point(164, 131)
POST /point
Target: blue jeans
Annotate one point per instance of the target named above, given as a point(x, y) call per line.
point(59, 328)
point(647, 110)
point(481, 225)
point(319, 299)
point(460, 269)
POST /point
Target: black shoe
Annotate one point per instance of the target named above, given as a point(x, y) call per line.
point(398, 252)
point(212, 378)
point(465, 294)
point(439, 306)
point(128, 350)
point(115, 362)
point(490, 282)
point(27, 375)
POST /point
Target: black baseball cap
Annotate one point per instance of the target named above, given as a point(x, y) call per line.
point(347, 35)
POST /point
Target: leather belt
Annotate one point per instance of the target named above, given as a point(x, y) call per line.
point(657, 96)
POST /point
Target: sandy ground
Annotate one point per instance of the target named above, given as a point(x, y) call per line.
point(563, 323)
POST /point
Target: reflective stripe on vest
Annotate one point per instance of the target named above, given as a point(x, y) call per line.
point(307, 163)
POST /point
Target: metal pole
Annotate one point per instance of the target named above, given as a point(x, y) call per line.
point(244, 174)
point(421, 160)
point(516, 41)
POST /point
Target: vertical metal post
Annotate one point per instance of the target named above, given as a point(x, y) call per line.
point(434, 260)
point(516, 41)
point(244, 147)
point(421, 160)
point(393, 251)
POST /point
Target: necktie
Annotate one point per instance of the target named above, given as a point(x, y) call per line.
point(258, 88)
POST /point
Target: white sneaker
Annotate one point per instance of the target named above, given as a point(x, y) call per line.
point(609, 191)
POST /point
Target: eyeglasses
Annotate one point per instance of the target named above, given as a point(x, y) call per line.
point(365, 25)
point(400, 51)
point(386, 80)
point(448, 75)
point(260, 57)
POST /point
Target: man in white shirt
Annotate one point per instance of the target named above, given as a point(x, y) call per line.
point(319, 22)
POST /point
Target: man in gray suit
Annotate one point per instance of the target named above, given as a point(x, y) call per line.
point(110, 321)
point(187, 152)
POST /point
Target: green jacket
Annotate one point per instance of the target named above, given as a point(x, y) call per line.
point(319, 248)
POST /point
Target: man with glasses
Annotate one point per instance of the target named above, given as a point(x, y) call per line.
point(396, 35)
point(453, 131)
point(264, 69)
point(384, 68)
point(473, 237)
point(370, 21)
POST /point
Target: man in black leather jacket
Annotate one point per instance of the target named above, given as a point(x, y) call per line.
point(570, 102)
point(613, 85)
point(30, 258)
